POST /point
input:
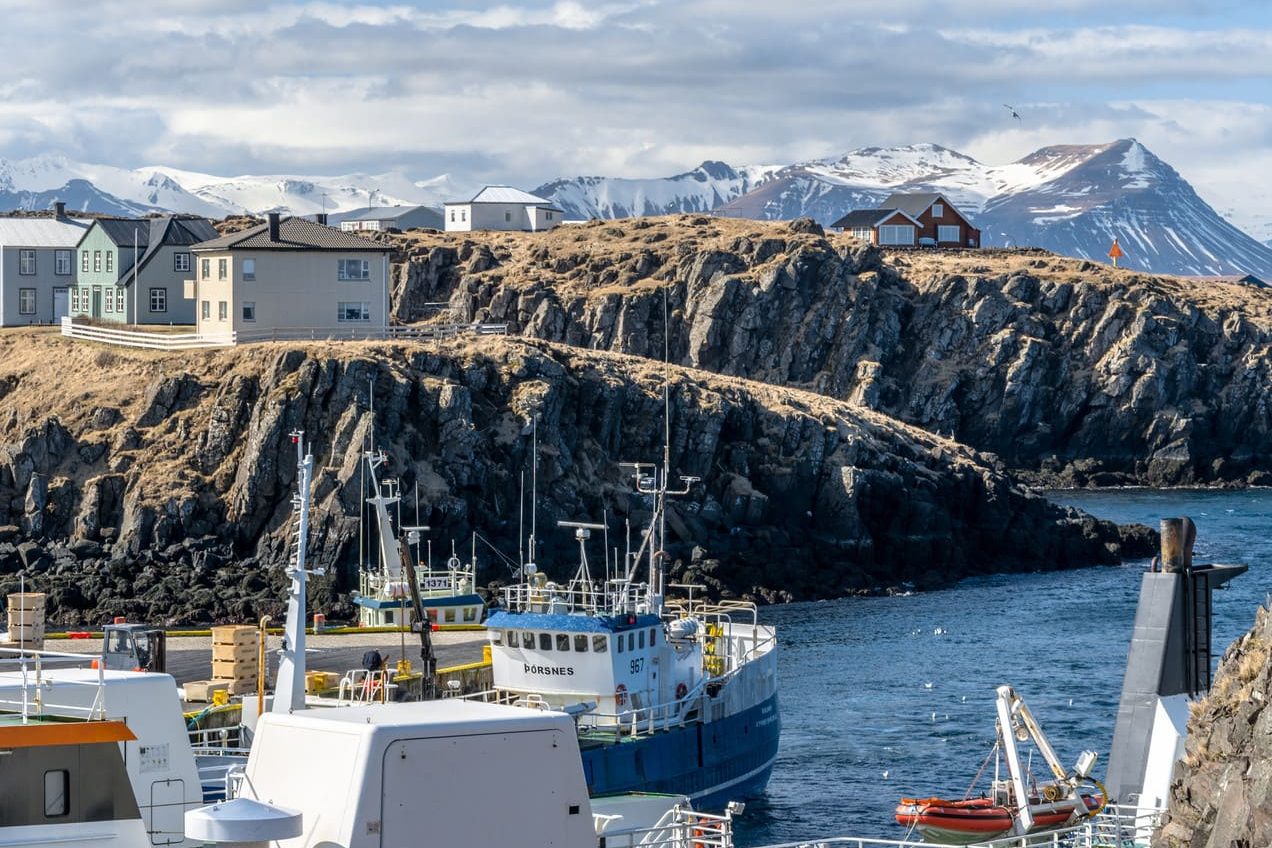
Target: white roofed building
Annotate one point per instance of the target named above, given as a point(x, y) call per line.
point(37, 267)
point(502, 208)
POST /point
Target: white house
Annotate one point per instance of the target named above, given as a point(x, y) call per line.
point(501, 208)
point(37, 267)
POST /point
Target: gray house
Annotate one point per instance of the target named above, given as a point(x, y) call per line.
point(37, 267)
point(109, 288)
point(392, 218)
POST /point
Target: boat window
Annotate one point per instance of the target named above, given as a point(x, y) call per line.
point(513, 638)
point(598, 644)
point(527, 640)
point(653, 635)
point(496, 637)
point(631, 641)
point(641, 643)
point(57, 801)
point(545, 641)
point(580, 643)
point(470, 613)
point(618, 644)
point(450, 615)
point(563, 641)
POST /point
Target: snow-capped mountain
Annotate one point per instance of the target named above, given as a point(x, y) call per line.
point(37, 182)
point(706, 187)
point(1073, 199)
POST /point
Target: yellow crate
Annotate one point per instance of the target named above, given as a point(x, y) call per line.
point(241, 652)
point(230, 669)
point(31, 601)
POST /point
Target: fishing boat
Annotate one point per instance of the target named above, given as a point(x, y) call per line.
point(675, 696)
point(383, 598)
point(1046, 806)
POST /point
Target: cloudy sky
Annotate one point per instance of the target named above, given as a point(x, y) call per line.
point(527, 91)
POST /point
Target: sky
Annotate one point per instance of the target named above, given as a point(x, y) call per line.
point(524, 92)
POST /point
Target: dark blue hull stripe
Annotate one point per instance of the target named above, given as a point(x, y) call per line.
point(729, 759)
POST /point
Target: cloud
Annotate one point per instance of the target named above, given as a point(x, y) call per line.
point(526, 91)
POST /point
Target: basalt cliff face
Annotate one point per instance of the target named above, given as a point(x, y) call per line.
point(1222, 793)
point(1072, 373)
point(158, 485)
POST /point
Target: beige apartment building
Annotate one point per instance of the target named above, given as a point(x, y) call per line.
point(290, 278)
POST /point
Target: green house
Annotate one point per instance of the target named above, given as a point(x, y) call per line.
point(133, 270)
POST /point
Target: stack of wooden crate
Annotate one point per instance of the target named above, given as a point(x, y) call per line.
point(235, 653)
point(26, 620)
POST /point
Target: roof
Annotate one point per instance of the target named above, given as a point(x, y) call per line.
point(913, 205)
point(504, 194)
point(387, 213)
point(449, 716)
point(863, 218)
point(151, 235)
point(567, 623)
point(293, 234)
point(42, 232)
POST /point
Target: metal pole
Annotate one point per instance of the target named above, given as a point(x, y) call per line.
point(136, 237)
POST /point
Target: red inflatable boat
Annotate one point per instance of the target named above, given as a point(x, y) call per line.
point(980, 819)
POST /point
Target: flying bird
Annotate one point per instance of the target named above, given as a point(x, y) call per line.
point(1013, 111)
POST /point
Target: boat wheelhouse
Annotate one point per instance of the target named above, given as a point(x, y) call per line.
point(383, 599)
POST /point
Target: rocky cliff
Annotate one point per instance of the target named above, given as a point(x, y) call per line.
point(1222, 793)
point(157, 485)
point(1073, 372)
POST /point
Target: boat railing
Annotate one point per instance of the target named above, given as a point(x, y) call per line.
point(360, 686)
point(36, 682)
point(1114, 827)
point(678, 828)
point(433, 582)
point(577, 597)
point(218, 741)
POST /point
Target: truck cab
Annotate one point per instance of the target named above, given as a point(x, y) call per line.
point(134, 647)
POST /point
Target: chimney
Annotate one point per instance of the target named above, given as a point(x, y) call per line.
point(59, 209)
point(321, 217)
point(273, 226)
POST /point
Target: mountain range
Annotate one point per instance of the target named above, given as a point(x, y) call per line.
point(1072, 199)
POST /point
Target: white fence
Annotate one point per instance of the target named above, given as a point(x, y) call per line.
point(188, 341)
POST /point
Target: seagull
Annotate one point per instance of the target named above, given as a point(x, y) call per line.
point(1013, 111)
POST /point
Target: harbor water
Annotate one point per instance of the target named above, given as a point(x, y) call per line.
point(894, 696)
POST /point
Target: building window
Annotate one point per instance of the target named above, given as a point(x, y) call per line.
point(26, 262)
point(75, 300)
point(222, 309)
point(463, 214)
point(249, 269)
point(181, 262)
point(57, 794)
point(62, 263)
point(946, 234)
point(26, 301)
point(222, 268)
point(507, 217)
point(207, 269)
point(549, 214)
point(97, 261)
point(353, 269)
point(351, 311)
point(159, 300)
point(84, 261)
point(206, 309)
point(110, 261)
point(452, 216)
point(119, 299)
point(938, 210)
point(108, 302)
point(249, 310)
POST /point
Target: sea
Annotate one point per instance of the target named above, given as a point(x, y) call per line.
point(894, 696)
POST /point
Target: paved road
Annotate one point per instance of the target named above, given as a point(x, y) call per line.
point(190, 658)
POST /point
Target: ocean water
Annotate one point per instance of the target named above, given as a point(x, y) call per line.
point(891, 697)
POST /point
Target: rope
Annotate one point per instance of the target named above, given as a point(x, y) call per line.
point(507, 560)
point(975, 780)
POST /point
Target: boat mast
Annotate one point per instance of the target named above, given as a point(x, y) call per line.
point(289, 691)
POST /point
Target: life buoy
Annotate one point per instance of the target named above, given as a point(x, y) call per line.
point(620, 695)
point(681, 690)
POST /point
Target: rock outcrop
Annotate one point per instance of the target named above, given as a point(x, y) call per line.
point(1074, 373)
point(1222, 793)
point(157, 486)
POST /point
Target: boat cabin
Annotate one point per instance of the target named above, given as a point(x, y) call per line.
point(624, 663)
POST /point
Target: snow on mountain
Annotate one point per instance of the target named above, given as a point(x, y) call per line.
point(35, 183)
point(703, 189)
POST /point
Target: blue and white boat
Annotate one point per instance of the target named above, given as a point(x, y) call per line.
point(673, 696)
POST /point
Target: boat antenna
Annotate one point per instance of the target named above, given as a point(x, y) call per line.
point(521, 522)
point(289, 691)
